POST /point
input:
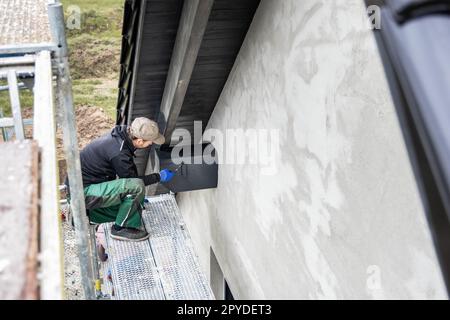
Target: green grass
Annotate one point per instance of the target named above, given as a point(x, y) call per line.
point(99, 17)
point(26, 100)
point(95, 52)
point(90, 91)
point(94, 56)
point(87, 81)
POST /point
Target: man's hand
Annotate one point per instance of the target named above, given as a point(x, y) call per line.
point(166, 175)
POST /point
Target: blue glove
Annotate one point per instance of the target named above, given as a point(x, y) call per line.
point(166, 175)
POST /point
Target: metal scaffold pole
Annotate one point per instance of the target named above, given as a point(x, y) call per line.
point(67, 116)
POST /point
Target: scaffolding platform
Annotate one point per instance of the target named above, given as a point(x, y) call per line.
point(24, 22)
point(19, 220)
point(34, 56)
point(164, 267)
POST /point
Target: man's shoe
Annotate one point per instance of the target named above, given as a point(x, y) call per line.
point(128, 234)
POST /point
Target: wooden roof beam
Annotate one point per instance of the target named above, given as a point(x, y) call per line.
point(193, 22)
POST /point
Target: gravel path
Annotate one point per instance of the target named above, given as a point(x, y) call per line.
point(72, 282)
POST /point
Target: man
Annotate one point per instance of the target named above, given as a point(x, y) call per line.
point(121, 200)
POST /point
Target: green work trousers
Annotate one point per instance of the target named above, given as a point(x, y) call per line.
point(118, 200)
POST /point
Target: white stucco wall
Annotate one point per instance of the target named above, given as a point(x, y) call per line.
point(343, 214)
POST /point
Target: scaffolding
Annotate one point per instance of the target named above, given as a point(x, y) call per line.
point(164, 267)
point(33, 49)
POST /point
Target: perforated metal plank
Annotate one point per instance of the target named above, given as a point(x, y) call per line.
point(133, 270)
point(173, 251)
point(163, 267)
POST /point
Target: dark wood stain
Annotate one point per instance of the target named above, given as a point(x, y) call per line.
point(226, 30)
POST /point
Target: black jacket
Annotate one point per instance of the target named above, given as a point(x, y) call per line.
point(111, 156)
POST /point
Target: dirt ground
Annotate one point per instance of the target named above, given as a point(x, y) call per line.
point(92, 58)
point(92, 122)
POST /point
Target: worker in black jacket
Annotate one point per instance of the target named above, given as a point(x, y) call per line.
point(112, 188)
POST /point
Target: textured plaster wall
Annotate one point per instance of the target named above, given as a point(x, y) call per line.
point(343, 217)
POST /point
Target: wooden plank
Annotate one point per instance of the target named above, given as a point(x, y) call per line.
point(224, 35)
point(226, 28)
point(136, 57)
point(194, 19)
point(159, 31)
point(19, 220)
point(45, 134)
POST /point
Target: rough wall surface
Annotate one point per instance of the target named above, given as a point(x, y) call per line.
point(342, 218)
